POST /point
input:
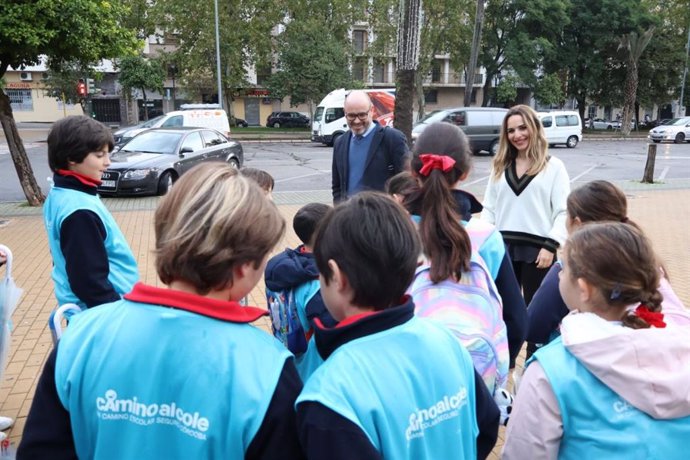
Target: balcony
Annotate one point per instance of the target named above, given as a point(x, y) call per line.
point(450, 79)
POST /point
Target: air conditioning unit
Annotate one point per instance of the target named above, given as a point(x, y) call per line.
point(25, 76)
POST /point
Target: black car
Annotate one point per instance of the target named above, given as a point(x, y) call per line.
point(287, 120)
point(152, 161)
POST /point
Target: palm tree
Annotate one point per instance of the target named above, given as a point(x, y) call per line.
point(408, 63)
point(633, 46)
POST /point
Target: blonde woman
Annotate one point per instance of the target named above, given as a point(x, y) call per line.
point(526, 197)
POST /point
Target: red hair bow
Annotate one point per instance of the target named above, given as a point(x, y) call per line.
point(655, 319)
point(431, 162)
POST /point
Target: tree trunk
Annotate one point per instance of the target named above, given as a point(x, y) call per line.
point(648, 176)
point(630, 91)
point(25, 173)
point(404, 97)
point(408, 63)
point(146, 106)
point(474, 52)
point(487, 96)
point(421, 103)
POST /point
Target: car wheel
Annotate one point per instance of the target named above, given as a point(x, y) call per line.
point(234, 163)
point(572, 142)
point(335, 138)
point(493, 148)
point(609, 128)
point(680, 138)
point(276, 125)
point(165, 183)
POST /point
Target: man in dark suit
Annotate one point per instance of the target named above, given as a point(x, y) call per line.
point(368, 154)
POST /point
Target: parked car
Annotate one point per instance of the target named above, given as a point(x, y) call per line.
point(287, 120)
point(562, 127)
point(600, 123)
point(240, 123)
point(482, 125)
point(676, 130)
point(151, 162)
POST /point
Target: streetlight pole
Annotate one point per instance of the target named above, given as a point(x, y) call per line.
point(220, 90)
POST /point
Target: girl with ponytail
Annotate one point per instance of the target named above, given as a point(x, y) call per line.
point(619, 368)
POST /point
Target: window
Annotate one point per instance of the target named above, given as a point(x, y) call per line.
point(457, 118)
point(592, 111)
point(212, 138)
point(263, 73)
point(566, 120)
point(172, 122)
point(20, 100)
point(359, 41)
point(379, 72)
point(436, 72)
point(431, 96)
point(193, 142)
point(335, 113)
point(359, 70)
point(546, 122)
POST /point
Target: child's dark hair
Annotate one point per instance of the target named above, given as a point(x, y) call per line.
point(445, 241)
point(307, 220)
point(598, 201)
point(264, 179)
point(403, 184)
point(73, 138)
point(374, 243)
point(619, 261)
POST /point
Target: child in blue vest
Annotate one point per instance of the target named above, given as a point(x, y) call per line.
point(441, 202)
point(392, 385)
point(178, 372)
point(615, 385)
point(595, 201)
point(292, 284)
point(92, 262)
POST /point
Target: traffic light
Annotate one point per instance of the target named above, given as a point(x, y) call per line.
point(81, 88)
point(90, 86)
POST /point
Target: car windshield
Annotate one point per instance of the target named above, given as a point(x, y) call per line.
point(436, 115)
point(318, 113)
point(429, 115)
point(153, 142)
point(151, 123)
point(679, 121)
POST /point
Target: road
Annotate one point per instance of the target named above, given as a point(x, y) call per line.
point(307, 166)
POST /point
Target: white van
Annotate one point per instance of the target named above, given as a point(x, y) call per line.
point(329, 118)
point(562, 127)
point(193, 115)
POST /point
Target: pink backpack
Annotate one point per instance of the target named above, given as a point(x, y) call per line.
point(472, 310)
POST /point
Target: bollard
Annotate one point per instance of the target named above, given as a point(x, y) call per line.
point(648, 177)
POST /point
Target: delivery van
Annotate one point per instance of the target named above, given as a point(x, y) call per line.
point(329, 118)
point(193, 115)
point(482, 125)
point(562, 127)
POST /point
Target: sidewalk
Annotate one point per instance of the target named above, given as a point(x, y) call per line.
point(663, 213)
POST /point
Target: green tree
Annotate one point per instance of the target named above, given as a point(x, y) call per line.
point(313, 52)
point(137, 72)
point(246, 40)
point(549, 90)
point(506, 91)
point(84, 30)
point(518, 35)
point(61, 80)
point(589, 41)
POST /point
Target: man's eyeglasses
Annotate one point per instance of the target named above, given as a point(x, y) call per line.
point(361, 116)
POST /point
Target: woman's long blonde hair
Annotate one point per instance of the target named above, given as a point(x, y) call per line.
point(537, 152)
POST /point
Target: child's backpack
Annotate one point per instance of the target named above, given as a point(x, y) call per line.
point(289, 321)
point(471, 308)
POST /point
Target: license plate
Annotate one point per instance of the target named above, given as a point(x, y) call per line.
point(108, 183)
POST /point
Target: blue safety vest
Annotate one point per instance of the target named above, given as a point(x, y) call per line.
point(598, 423)
point(409, 388)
